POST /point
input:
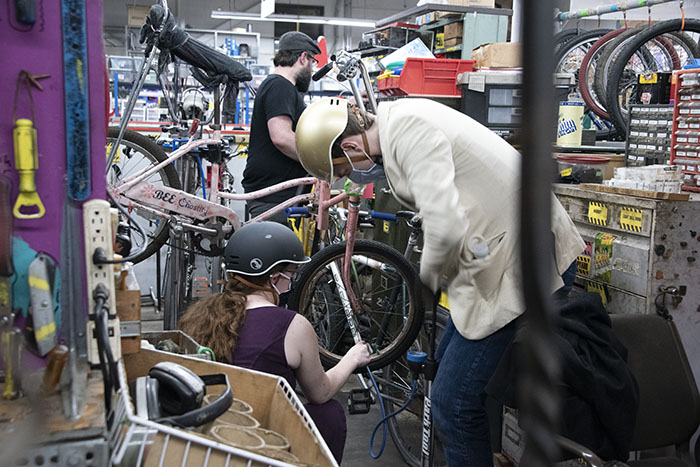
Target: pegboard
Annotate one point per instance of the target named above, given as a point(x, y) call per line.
point(37, 48)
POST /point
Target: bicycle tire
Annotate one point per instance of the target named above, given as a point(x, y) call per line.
point(389, 328)
point(601, 71)
point(571, 45)
point(583, 85)
point(563, 36)
point(609, 55)
point(152, 154)
point(688, 43)
point(626, 53)
point(406, 428)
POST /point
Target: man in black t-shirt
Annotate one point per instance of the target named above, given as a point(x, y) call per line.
point(278, 105)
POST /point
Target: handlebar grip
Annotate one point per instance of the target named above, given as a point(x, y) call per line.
point(324, 70)
point(384, 216)
point(296, 211)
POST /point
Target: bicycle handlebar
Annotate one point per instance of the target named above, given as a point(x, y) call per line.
point(384, 216)
point(324, 70)
point(296, 211)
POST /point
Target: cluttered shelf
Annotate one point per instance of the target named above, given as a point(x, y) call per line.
point(429, 7)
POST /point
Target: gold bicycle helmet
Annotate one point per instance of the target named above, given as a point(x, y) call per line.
point(319, 126)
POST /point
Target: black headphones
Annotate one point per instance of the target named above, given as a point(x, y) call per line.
point(173, 394)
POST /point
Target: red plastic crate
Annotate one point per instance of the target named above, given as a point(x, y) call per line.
point(426, 77)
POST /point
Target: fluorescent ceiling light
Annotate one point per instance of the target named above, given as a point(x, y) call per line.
point(363, 23)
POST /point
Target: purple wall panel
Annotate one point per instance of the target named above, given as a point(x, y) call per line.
point(39, 51)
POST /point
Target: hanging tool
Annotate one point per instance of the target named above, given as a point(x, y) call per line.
point(11, 338)
point(75, 83)
point(6, 269)
point(12, 362)
point(26, 162)
point(10, 341)
point(42, 272)
point(26, 151)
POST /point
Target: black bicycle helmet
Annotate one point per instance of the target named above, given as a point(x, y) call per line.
point(254, 249)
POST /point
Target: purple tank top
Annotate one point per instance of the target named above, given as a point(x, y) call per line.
point(260, 343)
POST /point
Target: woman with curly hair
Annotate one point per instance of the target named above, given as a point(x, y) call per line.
point(244, 325)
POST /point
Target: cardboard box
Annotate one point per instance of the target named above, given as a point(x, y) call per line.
point(129, 313)
point(275, 406)
point(452, 42)
point(427, 18)
point(498, 55)
point(455, 29)
point(480, 3)
point(474, 3)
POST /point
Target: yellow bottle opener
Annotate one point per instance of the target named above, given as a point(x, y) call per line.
point(26, 162)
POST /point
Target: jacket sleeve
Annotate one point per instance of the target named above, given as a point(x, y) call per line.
point(424, 154)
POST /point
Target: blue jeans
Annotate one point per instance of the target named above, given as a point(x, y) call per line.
point(459, 398)
point(568, 277)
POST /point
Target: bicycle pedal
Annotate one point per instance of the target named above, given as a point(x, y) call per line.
point(359, 401)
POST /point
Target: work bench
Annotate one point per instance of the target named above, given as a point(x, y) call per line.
point(641, 253)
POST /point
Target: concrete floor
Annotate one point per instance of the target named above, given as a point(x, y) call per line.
point(359, 431)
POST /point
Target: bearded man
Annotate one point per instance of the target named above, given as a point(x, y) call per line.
point(278, 105)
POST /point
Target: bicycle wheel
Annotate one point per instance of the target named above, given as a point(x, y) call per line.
point(569, 56)
point(387, 288)
point(620, 83)
point(587, 73)
point(606, 57)
point(564, 36)
point(406, 428)
point(138, 152)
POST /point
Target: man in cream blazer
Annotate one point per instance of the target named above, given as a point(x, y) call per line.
point(465, 182)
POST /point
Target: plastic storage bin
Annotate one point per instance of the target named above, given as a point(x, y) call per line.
point(581, 169)
point(426, 77)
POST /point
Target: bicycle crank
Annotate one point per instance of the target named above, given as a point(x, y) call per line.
point(209, 236)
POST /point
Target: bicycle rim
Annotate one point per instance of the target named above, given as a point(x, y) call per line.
point(387, 290)
point(569, 56)
point(138, 152)
point(406, 428)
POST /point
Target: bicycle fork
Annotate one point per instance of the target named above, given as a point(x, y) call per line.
point(347, 295)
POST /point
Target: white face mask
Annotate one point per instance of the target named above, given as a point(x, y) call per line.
point(363, 177)
point(289, 284)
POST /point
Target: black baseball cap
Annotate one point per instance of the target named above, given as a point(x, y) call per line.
point(295, 40)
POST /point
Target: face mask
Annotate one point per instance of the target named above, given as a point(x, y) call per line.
point(363, 177)
point(289, 284)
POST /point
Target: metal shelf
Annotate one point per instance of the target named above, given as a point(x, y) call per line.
point(374, 50)
point(446, 50)
point(428, 7)
point(442, 22)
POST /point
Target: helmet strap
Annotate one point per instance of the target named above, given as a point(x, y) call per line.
point(250, 284)
point(365, 143)
point(261, 288)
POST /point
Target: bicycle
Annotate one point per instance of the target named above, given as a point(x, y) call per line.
point(153, 190)
point(394, 380)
